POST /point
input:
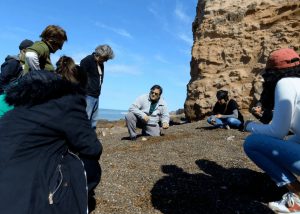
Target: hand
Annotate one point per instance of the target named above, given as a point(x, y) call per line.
point(257, 111)
point(146, 118)
point(218, 115)
point(165, 125)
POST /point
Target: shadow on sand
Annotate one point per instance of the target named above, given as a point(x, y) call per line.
point(213, 190)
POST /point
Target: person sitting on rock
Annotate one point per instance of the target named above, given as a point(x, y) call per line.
point(146, 113)
point(225, 113)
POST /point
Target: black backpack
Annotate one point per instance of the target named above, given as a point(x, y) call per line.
point(11, 70)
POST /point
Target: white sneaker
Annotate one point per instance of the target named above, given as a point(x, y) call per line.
point(227, 127)
point(290, 203)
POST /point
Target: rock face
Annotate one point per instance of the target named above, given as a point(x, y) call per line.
point(232, 40)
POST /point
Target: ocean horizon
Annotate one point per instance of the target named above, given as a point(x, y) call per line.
point(111, 114)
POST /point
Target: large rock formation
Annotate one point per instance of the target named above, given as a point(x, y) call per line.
point(232, 40)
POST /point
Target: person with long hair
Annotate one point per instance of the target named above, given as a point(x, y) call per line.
point(267, 146)
point(48, 151)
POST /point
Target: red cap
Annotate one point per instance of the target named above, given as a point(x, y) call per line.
point(283, 58)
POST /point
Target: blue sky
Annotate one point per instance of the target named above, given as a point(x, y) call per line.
point(152, 41)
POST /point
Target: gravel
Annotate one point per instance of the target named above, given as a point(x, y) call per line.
point(192, 168)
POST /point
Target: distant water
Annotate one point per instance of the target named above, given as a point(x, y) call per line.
point(111, 114)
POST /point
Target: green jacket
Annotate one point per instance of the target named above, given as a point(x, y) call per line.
point(4, 107)
point(43, 52)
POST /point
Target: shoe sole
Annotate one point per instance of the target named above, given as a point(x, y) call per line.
point(286, 213)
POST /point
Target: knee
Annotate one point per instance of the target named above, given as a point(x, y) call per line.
point(129, 116)
point(250, 142)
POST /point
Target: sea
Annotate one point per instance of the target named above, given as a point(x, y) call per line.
point(111, 114)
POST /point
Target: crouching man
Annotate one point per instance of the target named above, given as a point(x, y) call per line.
point(148, 112)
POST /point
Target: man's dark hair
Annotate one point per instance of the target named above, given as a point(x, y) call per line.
point(222, 94)
point(157, 87)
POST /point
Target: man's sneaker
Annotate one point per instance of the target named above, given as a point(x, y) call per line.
point(290, 203)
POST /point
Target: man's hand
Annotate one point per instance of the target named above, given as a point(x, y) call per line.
point(257, 111)
point(146, 118)
point(218, 115)
point(165, 125)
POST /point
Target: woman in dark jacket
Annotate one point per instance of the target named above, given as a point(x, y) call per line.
point(44, 142)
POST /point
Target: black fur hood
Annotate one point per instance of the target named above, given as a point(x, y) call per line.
point(37, 87)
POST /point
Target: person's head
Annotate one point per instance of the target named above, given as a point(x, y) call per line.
point(54, 36)
point(22, 47)
point(155, 92)
point(103, 53)
point(222, 96)
point(281, 63)
point(25, 44)
point(67, 68)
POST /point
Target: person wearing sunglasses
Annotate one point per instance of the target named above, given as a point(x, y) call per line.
point(37, 56)
point(147, 112)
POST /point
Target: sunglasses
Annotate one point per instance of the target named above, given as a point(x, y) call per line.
point(155, 93)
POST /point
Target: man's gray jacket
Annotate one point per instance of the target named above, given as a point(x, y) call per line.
point(141, 108)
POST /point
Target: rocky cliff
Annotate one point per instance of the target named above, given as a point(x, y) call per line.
point(232, 40)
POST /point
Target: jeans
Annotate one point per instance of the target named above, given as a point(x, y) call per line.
point(221, 122)
point(92, 109)
point(280, 159)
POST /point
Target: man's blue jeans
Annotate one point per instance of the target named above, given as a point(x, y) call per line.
point(92, 109)
point(280, 159)
point(222, 122)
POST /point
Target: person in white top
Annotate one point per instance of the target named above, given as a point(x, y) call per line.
point(267, 146)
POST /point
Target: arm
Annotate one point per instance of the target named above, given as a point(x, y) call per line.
point(283, 109)
point(165, 116)
point(32, 60)
point(10, 70)
point(136, 107)
point(235, 114)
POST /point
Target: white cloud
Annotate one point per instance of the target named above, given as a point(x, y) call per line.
point(159, 16)
point(123, 69)
point(181, 15)
point(186, 38)
point(79, 56)
point(160, 58)
point(119, 31)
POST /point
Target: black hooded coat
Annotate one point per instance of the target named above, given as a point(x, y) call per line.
point(44, 142)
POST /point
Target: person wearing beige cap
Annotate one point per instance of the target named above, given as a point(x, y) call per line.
point(267, 146)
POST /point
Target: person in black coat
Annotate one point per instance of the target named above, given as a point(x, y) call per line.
point(48, 150)
point(93, 65)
